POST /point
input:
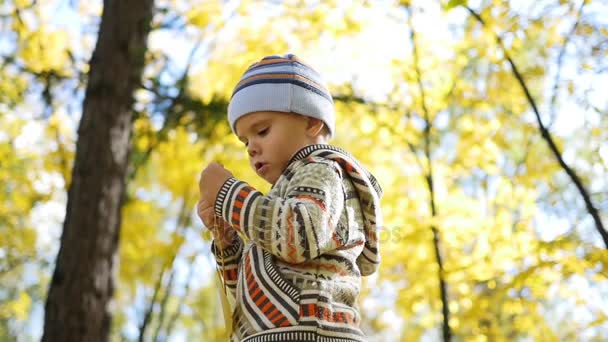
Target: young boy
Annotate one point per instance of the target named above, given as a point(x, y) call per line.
point(297, 274)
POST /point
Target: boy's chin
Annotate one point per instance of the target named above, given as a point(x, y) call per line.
point(270, 179)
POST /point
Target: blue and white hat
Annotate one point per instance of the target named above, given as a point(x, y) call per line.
point(282, 84)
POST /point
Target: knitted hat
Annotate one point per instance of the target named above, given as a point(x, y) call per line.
point(282, 84)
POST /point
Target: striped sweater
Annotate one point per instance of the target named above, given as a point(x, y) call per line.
point(296, 275)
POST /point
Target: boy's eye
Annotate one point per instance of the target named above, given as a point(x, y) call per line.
point(263, 131)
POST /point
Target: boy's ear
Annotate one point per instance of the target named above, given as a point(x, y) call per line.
point(314, 127)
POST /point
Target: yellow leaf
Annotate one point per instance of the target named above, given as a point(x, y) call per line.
point(44, 51)
point(19, 308)
point(205, 14)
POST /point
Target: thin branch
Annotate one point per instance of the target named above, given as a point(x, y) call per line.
point(447, 332)
point(182, 223)
point(17, 11)
point(148, 313)
point(560, 60)
point(182, 82)
point(175, 315)
point(163, 305)
point(546, 135)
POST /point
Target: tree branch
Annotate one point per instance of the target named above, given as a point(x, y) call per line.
point(175, 315)
point(163, 305)
point(169, 119)
point(560, 60)
point(447, 332)
point(148, 313)
point(591, 209)
point(182, 222)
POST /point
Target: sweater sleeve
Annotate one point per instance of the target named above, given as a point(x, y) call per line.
point(228, 262)
point(296, 228)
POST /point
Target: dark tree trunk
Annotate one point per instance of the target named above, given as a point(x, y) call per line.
point(77, 306)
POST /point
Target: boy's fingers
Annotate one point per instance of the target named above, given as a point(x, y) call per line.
point(201, 206)
point(211, 221)
point(207, 215)
point(207, 212)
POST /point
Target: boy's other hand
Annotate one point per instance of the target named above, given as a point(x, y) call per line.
point(212, 179)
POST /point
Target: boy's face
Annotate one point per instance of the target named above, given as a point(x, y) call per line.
point(272, 138)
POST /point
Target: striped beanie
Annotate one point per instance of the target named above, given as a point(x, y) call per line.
point(282, 84)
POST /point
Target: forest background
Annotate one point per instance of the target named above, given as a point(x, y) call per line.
point(486, 123)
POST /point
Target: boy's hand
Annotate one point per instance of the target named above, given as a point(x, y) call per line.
point(211, 221)
point(220, 229)
point(207, 214)
point(212, 179)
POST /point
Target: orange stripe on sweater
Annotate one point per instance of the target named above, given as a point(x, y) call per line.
point(318, 202)
point(276, 319)
point(230, 274)
point(261, 300)
point(244, 192)
point(326, 267)
point(290, 237)
point(274, 312)
point(267, 307)
point(236, 218)
point(255, 292)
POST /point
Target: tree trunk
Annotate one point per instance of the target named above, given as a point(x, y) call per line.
point(77, 306)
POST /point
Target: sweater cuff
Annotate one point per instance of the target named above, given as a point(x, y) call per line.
point(228, 253)
point(222, 195)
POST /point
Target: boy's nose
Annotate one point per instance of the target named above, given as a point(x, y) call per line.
point(252, 150)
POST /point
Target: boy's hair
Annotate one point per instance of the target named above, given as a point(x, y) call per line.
point(282, 84)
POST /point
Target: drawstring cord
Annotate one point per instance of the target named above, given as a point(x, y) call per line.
point(222, 288)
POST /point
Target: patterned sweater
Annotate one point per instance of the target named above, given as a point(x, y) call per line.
point(297, 274)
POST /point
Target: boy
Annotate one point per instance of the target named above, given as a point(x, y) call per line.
point(311, 238)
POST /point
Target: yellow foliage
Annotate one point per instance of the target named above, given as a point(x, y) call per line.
point(491, 169)
point(143, 252)
point(144, 133)
point(11, 87)
point(22, 3)
point(60, 150)
point(17, 308)
point(177, 159)
point(204, 14)
point(44, 51)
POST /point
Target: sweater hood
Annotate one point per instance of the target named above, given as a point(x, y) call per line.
point(368, 191)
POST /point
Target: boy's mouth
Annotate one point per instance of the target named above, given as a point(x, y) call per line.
point(259, 165)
